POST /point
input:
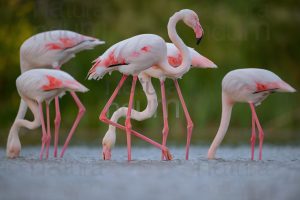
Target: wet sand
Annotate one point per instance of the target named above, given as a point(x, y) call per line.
point(82, 174)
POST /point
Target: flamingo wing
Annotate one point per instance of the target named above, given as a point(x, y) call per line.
point(175, 58)
point(137, 49)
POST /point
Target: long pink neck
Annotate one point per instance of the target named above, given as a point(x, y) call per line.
point(177, 41)
point(226, 114)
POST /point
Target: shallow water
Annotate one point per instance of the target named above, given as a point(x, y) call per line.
point(82, 174)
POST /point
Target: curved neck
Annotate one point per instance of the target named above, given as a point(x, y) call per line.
point(19, 122)
point(148, 112)
point(177, 41)
point(225, 119)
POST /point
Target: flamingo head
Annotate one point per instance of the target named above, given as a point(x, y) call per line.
point(13, 148)
point(90, 42)
point(106, 152)
point(191, 19)
point(107, 144)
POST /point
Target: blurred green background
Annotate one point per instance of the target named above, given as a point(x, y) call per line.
point(238, 34)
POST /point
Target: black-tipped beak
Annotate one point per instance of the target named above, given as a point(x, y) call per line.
point(198, 40)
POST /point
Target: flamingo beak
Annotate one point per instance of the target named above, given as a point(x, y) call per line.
point(106, 152)
point(198, 40)
point(199, 34)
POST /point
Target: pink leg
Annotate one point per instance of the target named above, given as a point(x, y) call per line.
point(48, 130)
point(44, 132)
point(165, 131)
point(253, 138)
point(128, 116)
point(57, 120)
point(81, 112)
point(56, 125)
point(190, 124)
point(104, 119)
point(260, 130)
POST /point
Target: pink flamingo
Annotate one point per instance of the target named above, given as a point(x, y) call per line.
point(251, 86)
point(52, 49)
point(36, 86)
point(136, 54)
point(175, 59)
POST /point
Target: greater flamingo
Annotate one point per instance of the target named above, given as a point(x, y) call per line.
point(251, 86)
point(52, 49)
point(136, 54)
point(36, 86)
point(174, 58)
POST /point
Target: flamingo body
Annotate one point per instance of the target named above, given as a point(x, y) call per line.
point(53, 48)
point(130, 56)
point(252, 85)
point(175, 59)
point(45, 84)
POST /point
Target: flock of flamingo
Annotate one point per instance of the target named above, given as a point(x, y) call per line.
point(143, 56)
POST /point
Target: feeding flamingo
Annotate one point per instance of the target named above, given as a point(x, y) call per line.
point(136, 54)
point(175, 59)
point(36, 86)
point(251, 86)
point(52, 49)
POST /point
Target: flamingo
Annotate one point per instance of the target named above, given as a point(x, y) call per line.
point(175, 59)
point(35, 87)
point(138, 53)
point(252, 86)
point(52, 49)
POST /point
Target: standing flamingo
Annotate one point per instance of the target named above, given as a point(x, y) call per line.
point(36, 86)
point(136, 54)
point(52, 49)
point(175, 59)
point(251, 86)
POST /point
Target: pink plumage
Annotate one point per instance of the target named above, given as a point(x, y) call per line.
point(198, 60)
point(45, 84)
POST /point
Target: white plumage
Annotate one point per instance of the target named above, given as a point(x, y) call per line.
point(45, 84)
point(53, 48)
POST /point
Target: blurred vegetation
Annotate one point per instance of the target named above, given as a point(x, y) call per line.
point(238, 34)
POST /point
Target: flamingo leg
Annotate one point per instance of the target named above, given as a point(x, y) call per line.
point(165, 131)
point(260, 130)
point(48, 130)
point(81, 111)
point(56, 125)
point(253, 138)
point(57, 119)
point(128, 117)
point(190, 124)
point(104, 119)
point(44, 132)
